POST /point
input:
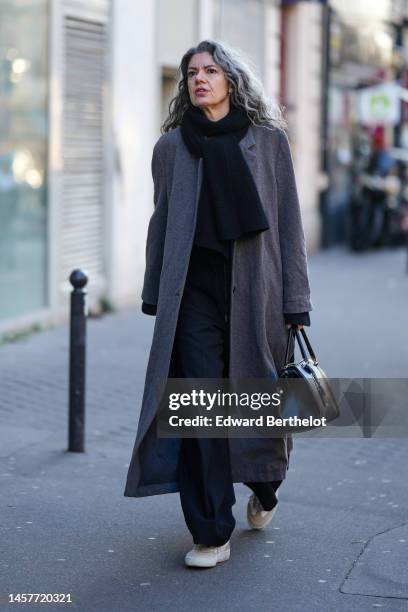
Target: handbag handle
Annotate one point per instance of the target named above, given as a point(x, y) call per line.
point(309, 346)
point(295, 331)
point(290, 334)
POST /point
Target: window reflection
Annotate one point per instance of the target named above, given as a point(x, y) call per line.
point(23, 147)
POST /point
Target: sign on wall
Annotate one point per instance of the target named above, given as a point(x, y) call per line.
point(379, 104)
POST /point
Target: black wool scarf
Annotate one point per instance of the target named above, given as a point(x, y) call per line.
point(229, 198)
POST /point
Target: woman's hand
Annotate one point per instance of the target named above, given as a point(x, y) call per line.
point(294, 325)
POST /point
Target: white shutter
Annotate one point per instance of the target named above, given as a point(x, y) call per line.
point(82, 206)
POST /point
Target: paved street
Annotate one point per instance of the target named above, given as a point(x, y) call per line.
point(338, 541)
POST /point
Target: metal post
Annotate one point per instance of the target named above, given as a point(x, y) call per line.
point(77, 351)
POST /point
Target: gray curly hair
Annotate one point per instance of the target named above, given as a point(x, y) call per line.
point(247, 89)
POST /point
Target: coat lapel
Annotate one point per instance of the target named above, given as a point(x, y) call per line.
point(248, 146)
point(248, 141)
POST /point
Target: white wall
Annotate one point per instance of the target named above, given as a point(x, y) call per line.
point(135, 119)
point(177, 29)
point(303, 101)
point(272, 50)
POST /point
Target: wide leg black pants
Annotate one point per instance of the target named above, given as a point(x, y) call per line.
point(201, 350)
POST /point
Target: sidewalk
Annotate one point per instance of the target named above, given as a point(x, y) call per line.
point(339, 540)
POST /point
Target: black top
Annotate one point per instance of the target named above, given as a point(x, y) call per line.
point(206, 234)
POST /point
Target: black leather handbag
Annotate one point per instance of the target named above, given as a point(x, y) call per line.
point(314, 397)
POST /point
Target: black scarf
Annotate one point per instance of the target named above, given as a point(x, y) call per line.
point(229, 204)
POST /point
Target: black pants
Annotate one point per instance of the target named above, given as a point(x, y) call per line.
point(201, 350)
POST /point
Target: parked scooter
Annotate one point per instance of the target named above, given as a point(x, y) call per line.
point(375, 201)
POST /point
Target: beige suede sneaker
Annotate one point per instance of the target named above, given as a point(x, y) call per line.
point(257, 517)
point(207, 556)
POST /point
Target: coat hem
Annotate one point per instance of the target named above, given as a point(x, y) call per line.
point(173, 487)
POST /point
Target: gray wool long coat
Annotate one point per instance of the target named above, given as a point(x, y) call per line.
point(269, 278)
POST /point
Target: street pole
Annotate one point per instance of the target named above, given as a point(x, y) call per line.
point(77, 354)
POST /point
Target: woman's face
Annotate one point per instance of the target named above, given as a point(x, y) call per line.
point(207, 85)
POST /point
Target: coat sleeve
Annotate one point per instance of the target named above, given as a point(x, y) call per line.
point(297, 318)
point(296, 289)
point(156, 231)
point(149, 309)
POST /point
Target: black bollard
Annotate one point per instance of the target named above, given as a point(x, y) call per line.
point(77, 353)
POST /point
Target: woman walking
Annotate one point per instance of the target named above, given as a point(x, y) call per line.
point(226, 275)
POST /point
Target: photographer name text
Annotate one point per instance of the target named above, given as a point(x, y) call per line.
point(259, 421)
